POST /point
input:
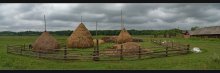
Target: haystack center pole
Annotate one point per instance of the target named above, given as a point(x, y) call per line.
point(97, 44)
point(96, 37)
point(45, 24)
point(121, 21)
point(81, 19)
point(96, 29)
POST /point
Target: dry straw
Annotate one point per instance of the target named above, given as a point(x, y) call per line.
point(80, 38)
point(124, 37)
point(45, 43)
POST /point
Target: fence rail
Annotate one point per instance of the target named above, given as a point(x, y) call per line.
point(106, 54)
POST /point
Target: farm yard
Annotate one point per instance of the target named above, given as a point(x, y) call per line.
point(208, 59)
point(151, 37)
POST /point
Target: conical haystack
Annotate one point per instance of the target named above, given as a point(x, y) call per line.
point(124, 37)
point(45, 43)
point(80, 38)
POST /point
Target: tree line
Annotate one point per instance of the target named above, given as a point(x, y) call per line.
point(93, 32)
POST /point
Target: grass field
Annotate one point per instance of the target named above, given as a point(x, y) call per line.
point(208, 59)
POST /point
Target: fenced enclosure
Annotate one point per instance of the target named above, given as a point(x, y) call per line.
point(101, 54)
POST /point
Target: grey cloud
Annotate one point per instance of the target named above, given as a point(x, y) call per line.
point(136, 15)
point(27, 7)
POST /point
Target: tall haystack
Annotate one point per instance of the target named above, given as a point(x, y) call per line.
point(45, 43)
point(124, 37)
point(80, 38)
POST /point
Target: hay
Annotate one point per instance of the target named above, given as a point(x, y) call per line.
point(109, 38)
point(124, 37)
point(80, 38)
point(99, 40)
point(45, 43)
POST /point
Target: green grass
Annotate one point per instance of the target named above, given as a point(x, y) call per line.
point(208, 59)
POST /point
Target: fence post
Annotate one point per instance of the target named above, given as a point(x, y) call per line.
point(188, 46)
point(166, 51)
point(7, 47)
point(21, 50)
point(65, 53)
point(121, 54)
point(139, 52)
point(29, 47)
point(39, 53)
point(24, 46)
point(96, 51)
point(172, 44)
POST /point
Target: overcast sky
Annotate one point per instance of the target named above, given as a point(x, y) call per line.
point(139, 16)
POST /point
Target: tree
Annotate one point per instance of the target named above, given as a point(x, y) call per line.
point(194, 28)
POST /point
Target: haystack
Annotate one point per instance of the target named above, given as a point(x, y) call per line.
point(45, 43)
point(124, 37)
point(99, 41)
point(80, 38)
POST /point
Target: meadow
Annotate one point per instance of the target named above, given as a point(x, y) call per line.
point(208, 59)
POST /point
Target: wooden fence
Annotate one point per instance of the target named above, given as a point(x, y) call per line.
point(174, 46)
point(96, 54)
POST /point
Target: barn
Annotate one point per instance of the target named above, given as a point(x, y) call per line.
point(206, 32)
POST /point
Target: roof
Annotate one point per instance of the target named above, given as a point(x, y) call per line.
point(206, 31)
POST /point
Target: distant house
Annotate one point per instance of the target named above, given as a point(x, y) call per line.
point(207, 32)
point(186, 34)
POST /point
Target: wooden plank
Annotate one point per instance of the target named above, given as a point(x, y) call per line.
point(166, 51)
point(121, 54)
